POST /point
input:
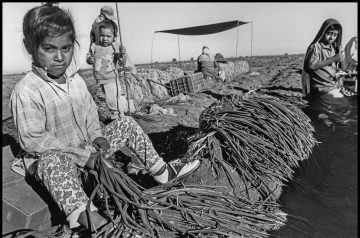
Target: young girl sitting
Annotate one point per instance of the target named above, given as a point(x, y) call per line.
point(57, 119)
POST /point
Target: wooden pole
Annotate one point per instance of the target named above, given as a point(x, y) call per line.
point(237, 42)
point(152, 46)
point(179, 50)
point(123, 62)
point(118, 19)
point(251, 38)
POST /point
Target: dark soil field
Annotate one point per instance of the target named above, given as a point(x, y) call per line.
point(321, 200)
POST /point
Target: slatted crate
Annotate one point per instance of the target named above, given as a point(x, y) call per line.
point(22, 206)
point(192, 83)
point(351, 83)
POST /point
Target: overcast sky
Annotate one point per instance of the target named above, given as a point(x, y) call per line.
point(278, 28)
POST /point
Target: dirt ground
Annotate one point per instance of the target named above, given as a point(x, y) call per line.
point(333, 214)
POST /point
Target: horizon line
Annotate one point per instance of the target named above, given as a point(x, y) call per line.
point(14, 72)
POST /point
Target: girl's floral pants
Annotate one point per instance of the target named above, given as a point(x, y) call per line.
point(60, 174)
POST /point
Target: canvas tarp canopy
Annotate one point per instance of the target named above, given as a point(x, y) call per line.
point(204, 30)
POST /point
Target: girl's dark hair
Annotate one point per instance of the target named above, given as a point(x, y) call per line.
point(334, 27)
point(44, 21)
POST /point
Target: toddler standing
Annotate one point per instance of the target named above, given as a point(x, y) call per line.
point(104, 55)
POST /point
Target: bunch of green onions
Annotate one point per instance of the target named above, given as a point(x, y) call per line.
point(261, 136)
point(177, 210)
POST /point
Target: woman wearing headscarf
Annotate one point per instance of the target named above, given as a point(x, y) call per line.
point(320, 81)
point(322, 56)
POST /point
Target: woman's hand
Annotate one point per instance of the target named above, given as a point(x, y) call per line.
point(101, 143)
point(338, 57)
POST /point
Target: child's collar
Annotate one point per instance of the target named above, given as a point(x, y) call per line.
point(329, 46)
point(99, 44)
point(69, 72)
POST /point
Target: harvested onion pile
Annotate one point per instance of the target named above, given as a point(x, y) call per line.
point(261, 136)
point(177, 210)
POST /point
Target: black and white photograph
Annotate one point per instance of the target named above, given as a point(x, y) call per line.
point(180, 119)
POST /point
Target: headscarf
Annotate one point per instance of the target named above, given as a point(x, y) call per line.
point(305, 82)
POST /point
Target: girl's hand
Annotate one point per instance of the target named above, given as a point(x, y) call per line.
point(101, 143)
point(339, 57)
point(91, 161)
point(336, 58)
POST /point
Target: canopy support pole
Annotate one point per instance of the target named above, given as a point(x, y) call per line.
point(237, 42)
point(179, 50)
point(152, 46)
point(251, 38)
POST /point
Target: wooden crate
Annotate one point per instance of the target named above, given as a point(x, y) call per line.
point(22, 207)
point(351, 83)
point(192, 83)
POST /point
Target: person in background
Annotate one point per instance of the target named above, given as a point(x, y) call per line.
point(221, 64)
point(104, 55)
point(206, 64)
point(350, 61)
point(106, 12)
point(57, 121)
point(321, 59)
point(350, 65)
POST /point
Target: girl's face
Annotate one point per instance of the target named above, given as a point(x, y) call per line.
point(55, 54)
point(330, 36)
